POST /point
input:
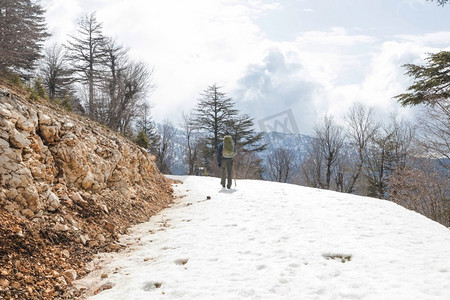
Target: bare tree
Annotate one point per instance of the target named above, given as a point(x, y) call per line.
point(331, 139)
point(434, 133)
point(247, 164)
point(361, 129)
point(281, 165)
point(389, 150)
point(320, 165)
point(423, 186)
point(114, 63)
point(192, 143)
point(164, 155)
point(56, 74)
point(131, 94)
point(312, 165)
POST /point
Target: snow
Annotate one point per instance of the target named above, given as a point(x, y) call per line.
point(266, 240)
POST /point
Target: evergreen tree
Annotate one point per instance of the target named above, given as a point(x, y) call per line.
point(248, 143)
point(22, 33)
point(165, 152)
point(142, 139)
point(145, 124)
point(87, 55)
point(440, 2)
point(212, 114)
point(241, 128)
point(431, 90)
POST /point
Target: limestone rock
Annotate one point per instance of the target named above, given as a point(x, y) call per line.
point(61, 227)
point(44, 119)
point(53, 202)
point(88, 181)
point(28, 213)
point(49, 133)
point(18, 140)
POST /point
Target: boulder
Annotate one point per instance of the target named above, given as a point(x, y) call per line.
point(53, 202)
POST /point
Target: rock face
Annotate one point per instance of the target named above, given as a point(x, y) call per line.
point(72, 183)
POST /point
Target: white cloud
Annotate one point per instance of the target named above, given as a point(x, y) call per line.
point(193, 44)
point(433, 38)
point(61, 17)
point(315, 64)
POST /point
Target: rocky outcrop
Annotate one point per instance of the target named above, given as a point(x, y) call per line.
point(73, 185)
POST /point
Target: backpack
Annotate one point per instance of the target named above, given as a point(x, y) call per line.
point(228, 147)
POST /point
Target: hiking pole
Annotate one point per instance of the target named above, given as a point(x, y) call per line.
point(234, 174)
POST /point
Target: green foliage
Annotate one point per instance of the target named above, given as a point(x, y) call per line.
point(145, 123)
point(440, 2)
point(16, 81)
point(63, 103)
point(241, 128)
point(142, 139)
point(431, 82)
point(22, 31)
point(36, 90)
point(214, 110)
point(39, 88)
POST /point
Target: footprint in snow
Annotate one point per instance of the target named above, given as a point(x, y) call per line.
point(151, 285)
point(181, 261)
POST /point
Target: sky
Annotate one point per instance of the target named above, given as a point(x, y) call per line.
point(267, 240)
point(305, 57)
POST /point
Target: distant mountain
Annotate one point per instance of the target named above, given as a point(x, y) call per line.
point(299, 143)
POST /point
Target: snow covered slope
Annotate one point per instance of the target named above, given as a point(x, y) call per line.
point(268, 240)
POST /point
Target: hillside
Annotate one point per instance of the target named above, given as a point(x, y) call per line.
point(68, 188)
point(266, 240)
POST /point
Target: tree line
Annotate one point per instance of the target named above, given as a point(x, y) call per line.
point(395, 159)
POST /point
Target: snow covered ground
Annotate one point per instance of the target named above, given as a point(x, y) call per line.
point(267, 240)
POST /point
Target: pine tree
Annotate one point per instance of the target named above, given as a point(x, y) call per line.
point(22, 33)
point(142, 139)
point(212, 114)
point(86, 55)
point(431, 90)
point(146, 124)
point(440, 2)
point(248, 143)
point(241, 128)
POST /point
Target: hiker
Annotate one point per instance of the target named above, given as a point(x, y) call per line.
point(225, 155)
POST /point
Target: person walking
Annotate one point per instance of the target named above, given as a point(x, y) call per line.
point(225, 154)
